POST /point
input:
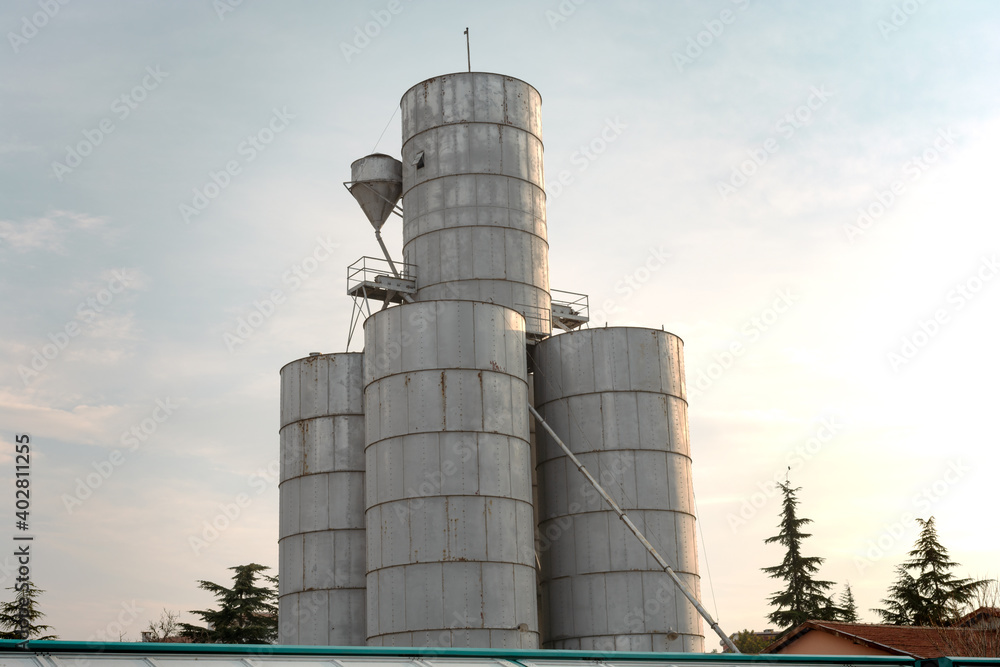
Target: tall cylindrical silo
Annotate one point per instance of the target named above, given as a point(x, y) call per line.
point(448, 486)
point(616, 396)
point(321, 546)
point(474, 193)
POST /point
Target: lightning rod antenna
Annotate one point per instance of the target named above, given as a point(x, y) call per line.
point(468, 53)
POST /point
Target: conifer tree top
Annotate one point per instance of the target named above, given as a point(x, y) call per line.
point(247, 613)
point(803, 597)
point(925, 592)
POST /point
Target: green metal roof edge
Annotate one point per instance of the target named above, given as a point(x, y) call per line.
point(56, 646)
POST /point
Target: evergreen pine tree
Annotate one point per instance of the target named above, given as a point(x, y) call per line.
point(930, 595)
point(848, 607)
point(19, 619)
point(247, 612)
point(904, 601)
point(803, 597)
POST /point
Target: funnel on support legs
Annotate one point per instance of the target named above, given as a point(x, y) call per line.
point(376, 184)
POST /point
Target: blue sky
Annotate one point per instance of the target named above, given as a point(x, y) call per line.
point(743, 140)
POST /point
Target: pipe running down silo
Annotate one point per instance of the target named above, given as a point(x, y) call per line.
point(635, 531)
point(617, 395)
point(321, 543)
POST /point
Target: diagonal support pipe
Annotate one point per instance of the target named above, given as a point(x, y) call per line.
point(635, 531)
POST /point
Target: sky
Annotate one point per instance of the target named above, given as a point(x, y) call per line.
point(804, 192)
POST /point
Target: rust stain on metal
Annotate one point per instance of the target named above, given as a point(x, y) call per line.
point(444, 401)
point(506, 116)
point(305, 450)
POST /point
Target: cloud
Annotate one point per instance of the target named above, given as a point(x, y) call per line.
point(48, 232)
point(15, 145)
point(115, 328)
point(85, 424)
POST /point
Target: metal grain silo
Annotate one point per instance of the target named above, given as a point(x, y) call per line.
point(473, 193)
point(448, 486)
point(617, 398)
point(321, 546)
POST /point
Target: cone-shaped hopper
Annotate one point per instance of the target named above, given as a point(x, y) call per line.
point(377, 183)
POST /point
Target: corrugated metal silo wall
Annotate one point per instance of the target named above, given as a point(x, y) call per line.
point(533, 427)
point(616, 396)
point(448, 486)
point(321, 555)
point(474, 212)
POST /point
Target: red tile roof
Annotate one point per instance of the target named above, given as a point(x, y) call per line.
point(915, 641)
point(981, 615)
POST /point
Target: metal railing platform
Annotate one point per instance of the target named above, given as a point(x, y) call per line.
point(570, 310)
point(373, 278)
